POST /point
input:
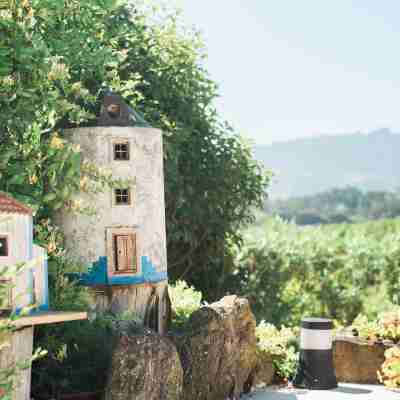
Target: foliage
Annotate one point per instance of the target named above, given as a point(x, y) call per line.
point(42, 42)
point(390, 370)
point(385, 327)
point(184, 300)
point(390, 325)
point(364, 328)
point(74, 363)
point(376, 301)
point(336, 206)
point(282, 345)
point(290, 272)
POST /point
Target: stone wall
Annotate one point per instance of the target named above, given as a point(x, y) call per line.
point(356, 361)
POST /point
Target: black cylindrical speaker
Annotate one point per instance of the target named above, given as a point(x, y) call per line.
point(315, 370)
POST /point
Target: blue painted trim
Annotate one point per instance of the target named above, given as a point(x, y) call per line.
point(46, 302)
point(34, 310)
point(150, 272)
point(97, 275)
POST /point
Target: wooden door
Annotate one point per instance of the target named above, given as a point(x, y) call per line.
point(125, 253)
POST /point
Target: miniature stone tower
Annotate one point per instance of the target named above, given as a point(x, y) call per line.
point(124, 243)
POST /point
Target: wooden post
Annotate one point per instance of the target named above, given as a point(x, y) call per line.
point(20, 350)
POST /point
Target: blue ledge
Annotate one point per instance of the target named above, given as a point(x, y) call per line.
point(97, 275)
point(34, 310)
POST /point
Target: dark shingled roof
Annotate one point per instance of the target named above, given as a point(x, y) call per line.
point(11, 206)
point(116, 112)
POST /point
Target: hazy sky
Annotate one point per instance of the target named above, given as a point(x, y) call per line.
point(295, 68)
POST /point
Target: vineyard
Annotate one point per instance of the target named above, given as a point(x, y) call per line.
point(337, 271)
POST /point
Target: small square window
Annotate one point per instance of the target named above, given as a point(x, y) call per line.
point(3, 247)
point(121, 151)
point(122, 197)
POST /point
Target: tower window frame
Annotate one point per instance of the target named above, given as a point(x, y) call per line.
point(122, 197)
point(121, 151)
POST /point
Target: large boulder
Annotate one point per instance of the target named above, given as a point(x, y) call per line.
point(357, 362)
point(219, 351)
point(144, 366)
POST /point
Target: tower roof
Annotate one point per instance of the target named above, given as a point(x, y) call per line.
point(11, 206)
point(116, 112)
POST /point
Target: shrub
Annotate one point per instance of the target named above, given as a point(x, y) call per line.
point(366, 329)
point(386, 326)
point(289, 272)
point(74, 363)
point(185, 300)
point(390, 325)
point(390, 371)
point(281, 345)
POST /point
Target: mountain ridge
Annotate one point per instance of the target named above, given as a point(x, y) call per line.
point(306, 166)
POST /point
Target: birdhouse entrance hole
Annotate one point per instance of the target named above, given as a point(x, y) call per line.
point(3, 246)
point(114, 111)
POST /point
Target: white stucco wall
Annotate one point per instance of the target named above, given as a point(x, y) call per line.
point(86, 235)
point(19, 231)
point(40, 273)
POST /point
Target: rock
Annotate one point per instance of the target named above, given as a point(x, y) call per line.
point(219, 352)
point(265, 370)
point(144, 367)
point(357, 362)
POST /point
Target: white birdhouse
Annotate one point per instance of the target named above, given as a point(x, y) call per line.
point(23, 265)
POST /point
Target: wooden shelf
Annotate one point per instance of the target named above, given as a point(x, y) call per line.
point(49, 317)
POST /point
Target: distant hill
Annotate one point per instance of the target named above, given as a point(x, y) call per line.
point(309, 166)
point(336, 206)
